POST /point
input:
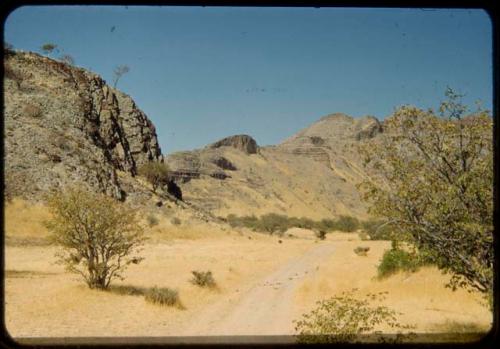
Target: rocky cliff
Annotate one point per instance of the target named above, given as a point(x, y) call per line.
point(314, 173)
point(64, 124)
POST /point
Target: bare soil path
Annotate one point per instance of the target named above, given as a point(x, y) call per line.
point(264, 309)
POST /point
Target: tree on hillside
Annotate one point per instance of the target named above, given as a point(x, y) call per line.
point(434, 184)
point(99, 236)
point(68, 59)
point(156, 173)
point(119, 72)
point(48, 48)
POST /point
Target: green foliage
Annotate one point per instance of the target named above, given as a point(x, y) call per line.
point(433, 183)
point(156, 173)
point(48, 48)
point(277, 223)
point(395, 260)
point(118, 72)
point(162, 296)
point(347, 224)
point(203, 279)
point(343, 319)
point(99, 236)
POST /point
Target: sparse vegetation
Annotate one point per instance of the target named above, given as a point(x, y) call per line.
point(374, 229)
point(48, 48)
point(343, 319)
point(175, 221)
point(99, 235)
point(361, 251)
point(156, 173)
point(320, 234)
point(203, 279)
point(435, 180)
point(162, 296)
point(119, 72)
point(397, 259)
point(276, 223)
point(68, 59)
point(152, 220)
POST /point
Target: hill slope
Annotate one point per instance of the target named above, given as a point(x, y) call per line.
point(311, 174)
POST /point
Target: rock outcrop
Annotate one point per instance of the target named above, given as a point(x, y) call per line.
point(64, 125)
point(244, 143)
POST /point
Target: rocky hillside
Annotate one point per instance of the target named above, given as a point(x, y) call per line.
point(64, 125)
point(313, 173)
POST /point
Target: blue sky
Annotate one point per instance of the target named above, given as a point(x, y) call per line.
point(205, 73)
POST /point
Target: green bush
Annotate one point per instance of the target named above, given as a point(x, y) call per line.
point(395, 260)
point(347, 224)
point(343, 318)
point(203, 278)
point(277, 223)
point(162, 296)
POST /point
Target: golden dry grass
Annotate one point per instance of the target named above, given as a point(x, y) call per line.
point(421, 296)
point(41, 299)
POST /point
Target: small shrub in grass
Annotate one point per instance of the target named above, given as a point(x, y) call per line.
point(395, 260)
point(175, 221)
point(361, 251)
point(203, 278)
point(162, 296)
point(152, 220)
point(320, 234)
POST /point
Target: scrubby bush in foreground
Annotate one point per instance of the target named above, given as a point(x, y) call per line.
point(203, 278)
point(99, 235)
point(162, 296)
point(396, 259)
point(343, 319)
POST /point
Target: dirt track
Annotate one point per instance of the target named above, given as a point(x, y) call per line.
point(266, 308)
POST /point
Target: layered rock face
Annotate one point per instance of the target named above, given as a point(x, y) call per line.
point(64, 125)
point(244, 143)
point(210, 160)
point(313, 173)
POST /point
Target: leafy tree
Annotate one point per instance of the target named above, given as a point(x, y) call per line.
point(434, 185)
point(156, 173)
point(68, 59)
point(48, 48)
point(98, 235)
point(119, 72)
